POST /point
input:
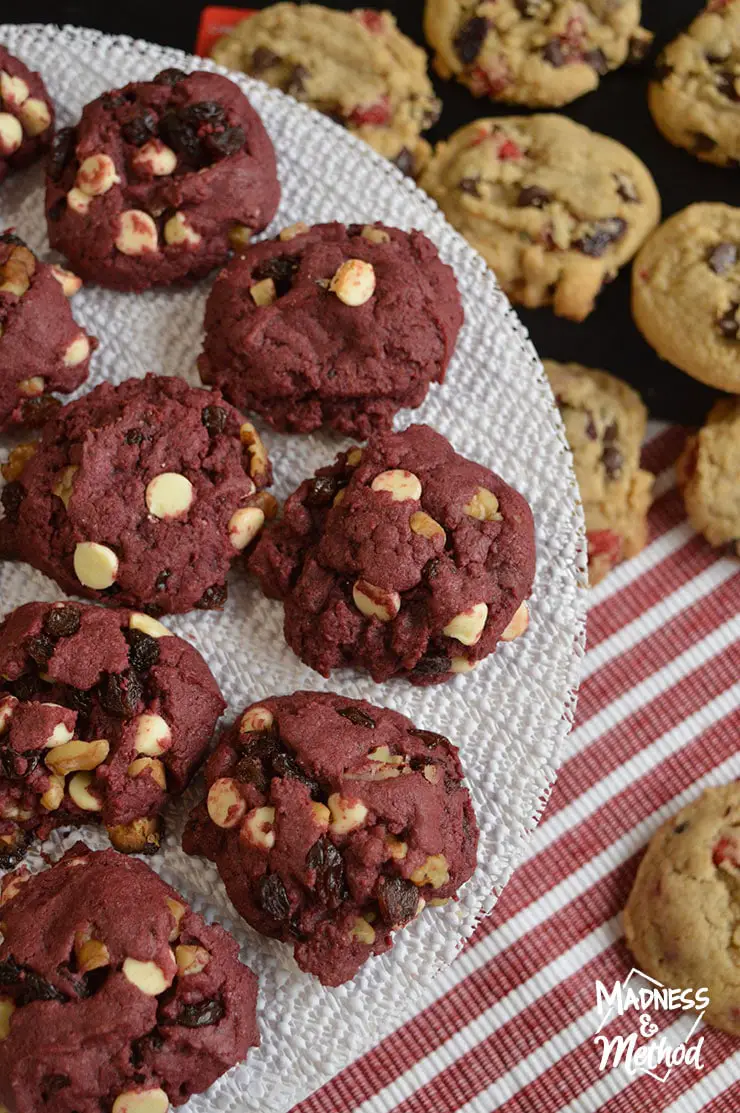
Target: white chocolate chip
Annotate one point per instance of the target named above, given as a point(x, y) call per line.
point(60, 734)
point(363, 931)
point(77, 352)
point(425, 526)
point(8, 705)
point(137, 233)
point(191, 959)
point(259, 828)
point(179, 231)
point(35, 116)
point(11, 134)
point(13, 90)
point(65, 483)
point(354, 282)
point(257, 718)
point(74, 755)
point(376, 602)
point(321, 814)
point(397, 848)
point(263, 293)
point(374, 235)
point(225, 804)
point(146, 976)
point(169, 495)
point(7, 1008)
point(293, 230)
point(96, 566)
point(52, 798)
point(433, 872)
point(239, 237)
point(462, 664)
point(518, 624)
point(148, 625)
point(32, 387)
point(142, 1101)
point(78, 201)
point(153, 735)
point(155, 158)
point(178, 911)
point(467, 627)
point(96, 175)
point(400, 484)
point(148, 766)
point(431, 774)
point(483, 506)
point(244, 525)
point(69, 282)
point(79, 791)
point(346, 814)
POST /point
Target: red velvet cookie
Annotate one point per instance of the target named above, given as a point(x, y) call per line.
point(104, 715)
point(332, 325)
point(42, 349)
point(332, 822)
point(26, 115)
point(115, 997)
point(139, 495)
point(402, 558)
point(148, 187)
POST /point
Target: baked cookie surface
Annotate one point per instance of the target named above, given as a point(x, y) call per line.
point(686, 293)
point(138, 495)
point(26, 115)
point(402, 558)
point(535, 52)
point(695, 92)
point(144, 1003)
point(337, 325)
point(148, 186)
point(332, 822)
point(683, 914)
point(605, 424)
point(709, 476)
point(356, 67)
point(104, 716)
point(42, 349)
point(553, 208)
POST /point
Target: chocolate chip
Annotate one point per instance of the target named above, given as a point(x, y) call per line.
point(596, 59)
point(37, 411)
point(728, 323)
point(120, 694)
point(263, 58)
point(201, 1015)
point(626, 188)
point(398, 900)
point(139, 130)
point(327, 863)
point(296, 84)
point(60, 153)
point(11, 497)
point(134, 436)
point(469, 185)
point(554, 53)
point(703, 143)
point(214, 418)
point(727, 83)
point(613, 461)
point(662, 70)
point(225, 143)
point(322, 490)
point(40, 649)
point(281, 269)
point(357, 717)
point(170, 76)
point(469, 40)
point(62, 622)
point(603, 234)
point(432, 664)
point(404, 160)
point(213, 598)
point(273, 897)
point(722, 258)
point(161, 581)
point(533, 197)
point(143, 650)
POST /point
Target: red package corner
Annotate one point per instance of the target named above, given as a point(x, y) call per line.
point(215, 22)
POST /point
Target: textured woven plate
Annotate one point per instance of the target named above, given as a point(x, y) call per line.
point(509, 717)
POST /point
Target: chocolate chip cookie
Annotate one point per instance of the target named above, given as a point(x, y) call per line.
point(138, 495)
point(402, 558)
point(709, 476)
point(535, 52)
point(332, 325)
point(332, 823)
point(686, 293)
point(42, 349)
point(555, 209)
point(356, 67)
point(682, 921)
point(605, 423)
point(104, 715)
point(115, 997)
point(26, 115)
point(695, 92)
point(148, 187)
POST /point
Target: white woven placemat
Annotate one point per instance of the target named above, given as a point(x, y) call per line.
point(509, 717)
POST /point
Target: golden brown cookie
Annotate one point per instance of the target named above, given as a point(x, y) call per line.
point(555, 209)
point(536, 52)
point(686, 293)
point(682, 920)
point(605, 424)
point(709, 476)
point(356, 67)
point(695, 92)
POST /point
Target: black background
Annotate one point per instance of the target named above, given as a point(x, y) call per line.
point(608, 338)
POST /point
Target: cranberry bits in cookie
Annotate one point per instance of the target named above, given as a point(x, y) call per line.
point(332, 823)
point(402, 558)
point(148, 187)
point(26, 115)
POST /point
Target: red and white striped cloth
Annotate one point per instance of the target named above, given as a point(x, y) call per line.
point(510, 1025)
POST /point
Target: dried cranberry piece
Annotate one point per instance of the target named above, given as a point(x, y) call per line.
point(213, 598)
point(11, 497)
point(404, 160)
point(214, 418)
point(35, 412)
point(60, 153)
point(281, 269)
point(120, 694)
point(533, 196)
point(728, 86)
point(273, 897)
point(605, 233)
point(263, 58)
point(327, 862)
point(728, 323)
point(225, 143)
point(171, 76)
point(357, 717)
point(40, 649)
point(322, 490)
point(143, 650)
point(398, 900)
point(139, 130)
point(596, 59)
point(201, 1015)
point(613, 461)
point(469, 185)
point(434, 663)
point(469, 40)
point(62, 622)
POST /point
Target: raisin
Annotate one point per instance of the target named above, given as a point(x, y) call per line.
point(181, 135)
point(214, 418)
point(112, 101)
point(201, 1015)
point(141, 129)
point(434, 663)
point(470, 38)
point(161, 581)
point(37, 411)
point(432, 569)
point(56, 211)
point(533, 197)
point(727, 84)
point(26, 687)
point(134, 436)
point(52, 1083)
point(60, 153)
point(596, 59)
point(357, 717)
point(213, 598)
point(262, 59)
point(143, 650)
point(613, 461)
point(62, 622)
point(250, 770)
point(280, 269)
point(722, 258)
point(285, 765)
point(554, 53)
point(728, 324)
point(591, 431)
point(429, 737)
point(40, 649)
point(273, 897)
point(223, 144)
point(404, 160)
point(328, 864)
point(604, 233)
point(11, 497)
point(27, 984)
point(469, 185)
point(120, 694)
point(206, 112)
point(611, 432)
point(80, 701)
point(398, 900)
point(322, 490)
point(170, 76)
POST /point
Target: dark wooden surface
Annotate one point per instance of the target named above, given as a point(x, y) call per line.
point(608, 338)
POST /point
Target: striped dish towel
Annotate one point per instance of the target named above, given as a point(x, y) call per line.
point(510, 1025)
